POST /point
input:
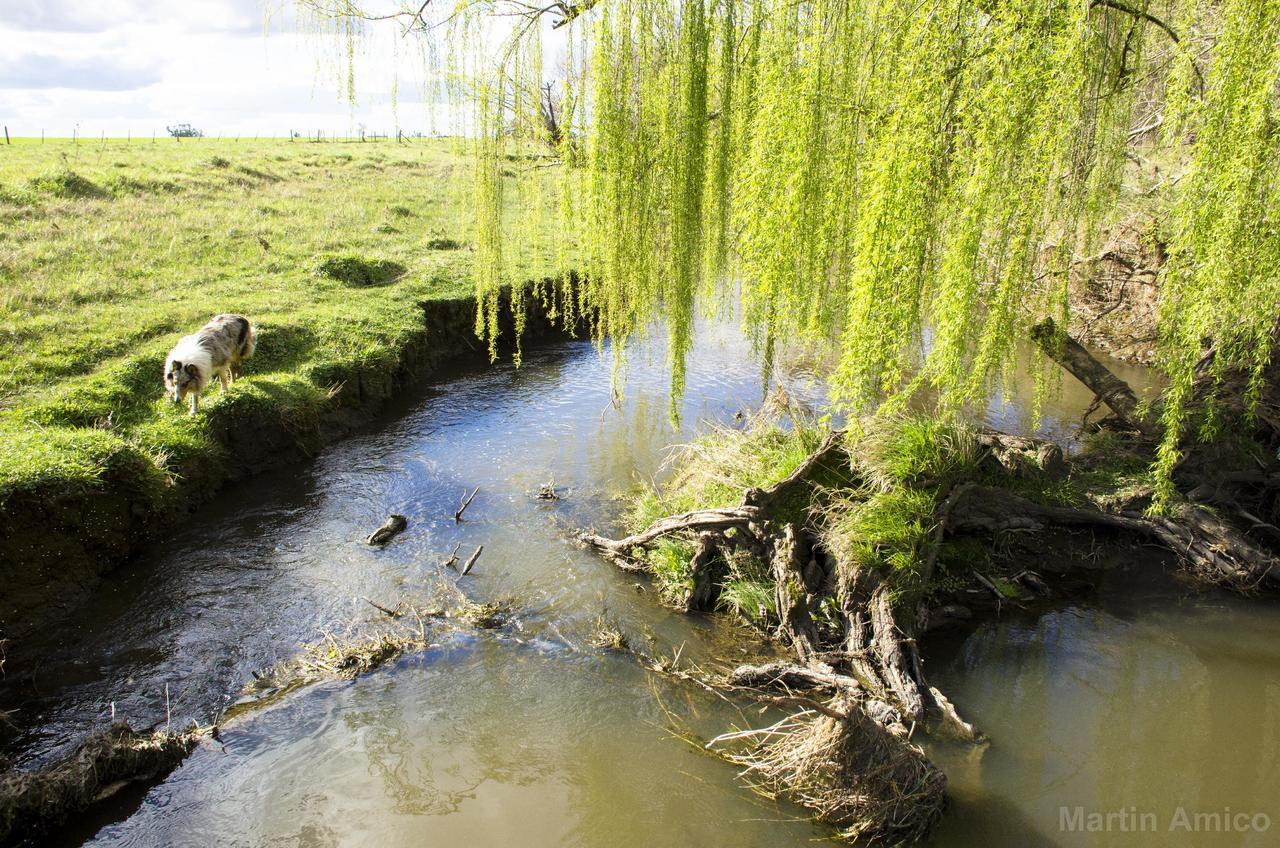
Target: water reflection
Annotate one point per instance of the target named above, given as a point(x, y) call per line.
point(1150, 696)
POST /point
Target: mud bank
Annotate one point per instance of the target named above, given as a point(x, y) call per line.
point(56, 542)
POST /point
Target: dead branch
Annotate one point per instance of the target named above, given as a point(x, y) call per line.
point(701, 520)
point(471, 561)
point(466, 502)
point(393, 613)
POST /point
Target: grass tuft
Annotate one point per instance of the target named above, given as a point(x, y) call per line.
point(358, 272)
point(915, 449)
point(442, 243)
point(66, 184)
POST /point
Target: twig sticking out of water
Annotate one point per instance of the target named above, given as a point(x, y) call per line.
point(466, 502)
point(471, 561)
point(394, 613)
point(452, 561)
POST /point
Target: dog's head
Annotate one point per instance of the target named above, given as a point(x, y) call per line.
point(181, 378)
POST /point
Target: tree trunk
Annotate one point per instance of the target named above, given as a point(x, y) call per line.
point(1110, 389)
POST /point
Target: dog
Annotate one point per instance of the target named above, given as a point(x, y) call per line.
point(215, 351)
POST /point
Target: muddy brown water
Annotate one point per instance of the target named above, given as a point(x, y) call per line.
point(1146, 695)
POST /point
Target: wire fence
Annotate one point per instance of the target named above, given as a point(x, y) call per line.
point(186, 133)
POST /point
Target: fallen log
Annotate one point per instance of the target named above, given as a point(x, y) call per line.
point(1106, 386)
point(34, 803)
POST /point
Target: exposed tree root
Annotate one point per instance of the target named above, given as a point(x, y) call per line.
point(852, 626)
point(1211, 547)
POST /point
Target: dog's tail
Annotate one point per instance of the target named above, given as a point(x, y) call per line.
point(248, 338)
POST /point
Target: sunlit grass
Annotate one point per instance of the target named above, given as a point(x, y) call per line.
point(110, 251)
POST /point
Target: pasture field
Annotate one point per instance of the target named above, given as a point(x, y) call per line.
point(109, 251)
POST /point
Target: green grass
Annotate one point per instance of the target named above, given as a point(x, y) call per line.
point(111, 251)
point(716, 468)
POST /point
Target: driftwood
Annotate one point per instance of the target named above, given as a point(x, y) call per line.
point(394, 525)
point(1107, 387)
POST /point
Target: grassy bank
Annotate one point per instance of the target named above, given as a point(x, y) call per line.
point(353, 259)
point(110, 251)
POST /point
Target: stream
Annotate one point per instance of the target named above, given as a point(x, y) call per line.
point(1149, 694)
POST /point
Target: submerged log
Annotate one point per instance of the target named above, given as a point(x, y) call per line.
point(1084, 366)
point(392, 527)
point(34, 803)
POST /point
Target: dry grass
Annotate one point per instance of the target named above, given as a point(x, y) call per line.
point(851, 772)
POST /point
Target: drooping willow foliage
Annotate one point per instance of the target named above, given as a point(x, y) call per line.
point(910, 180)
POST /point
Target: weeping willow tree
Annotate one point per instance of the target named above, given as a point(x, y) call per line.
point(902, 179)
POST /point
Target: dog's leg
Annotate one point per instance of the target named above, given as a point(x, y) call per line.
point(225, 378)
point(195, 403)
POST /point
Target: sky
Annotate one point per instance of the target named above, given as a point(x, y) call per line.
point(228, 67)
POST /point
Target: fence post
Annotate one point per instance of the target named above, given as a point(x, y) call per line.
point(6, 135)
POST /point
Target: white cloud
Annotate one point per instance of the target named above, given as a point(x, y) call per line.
point(135, 66)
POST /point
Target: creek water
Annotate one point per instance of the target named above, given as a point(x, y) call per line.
point(527, 734)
